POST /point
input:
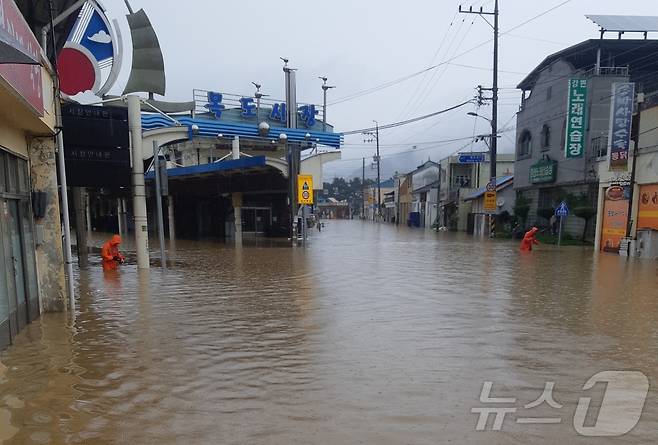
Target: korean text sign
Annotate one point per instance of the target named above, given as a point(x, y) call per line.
point(574, 144)
point(621, 118)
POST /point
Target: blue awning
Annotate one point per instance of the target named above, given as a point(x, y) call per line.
point(194, 170)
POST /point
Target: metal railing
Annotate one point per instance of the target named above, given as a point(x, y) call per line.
point(614, 71)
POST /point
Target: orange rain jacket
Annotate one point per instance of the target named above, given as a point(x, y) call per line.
point(529, 239)
point(110, 253)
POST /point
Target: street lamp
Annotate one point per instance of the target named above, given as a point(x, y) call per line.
point(472, 113)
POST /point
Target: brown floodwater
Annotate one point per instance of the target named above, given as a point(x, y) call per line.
point(372, 334)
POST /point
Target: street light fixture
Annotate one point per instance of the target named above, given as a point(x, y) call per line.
point(471, 113)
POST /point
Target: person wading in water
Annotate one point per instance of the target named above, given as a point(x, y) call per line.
point(111, 255)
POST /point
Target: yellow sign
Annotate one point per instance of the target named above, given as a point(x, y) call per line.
point(304, 189)
point(490, 201)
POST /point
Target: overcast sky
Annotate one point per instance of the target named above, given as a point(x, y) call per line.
point(360, 44)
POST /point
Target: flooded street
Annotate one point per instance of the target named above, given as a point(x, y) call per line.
point(373, 334)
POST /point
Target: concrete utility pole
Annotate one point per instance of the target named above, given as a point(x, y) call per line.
point(139, 189)
point(363, 190)
point(325, 87)
point(294, 154)
point(379, 180)
point(79, 202)
point(493, 149)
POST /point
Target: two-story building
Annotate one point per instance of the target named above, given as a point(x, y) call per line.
point(546, 173)
point(458, 181)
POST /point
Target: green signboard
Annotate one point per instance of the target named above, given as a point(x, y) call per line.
point(544, 171)
point(574, 145)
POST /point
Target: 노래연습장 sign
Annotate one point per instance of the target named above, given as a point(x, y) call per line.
point(574, 145)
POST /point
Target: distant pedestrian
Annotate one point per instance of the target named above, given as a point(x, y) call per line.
point(111, 255)
point(529, 239)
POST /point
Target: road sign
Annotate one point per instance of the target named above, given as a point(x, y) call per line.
point(471, 158)
point(562, 210)
point(491, 186)
point(490, 202)
point(304, 189)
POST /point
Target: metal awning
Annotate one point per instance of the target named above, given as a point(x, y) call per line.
point(10, 54)
point(233, 165)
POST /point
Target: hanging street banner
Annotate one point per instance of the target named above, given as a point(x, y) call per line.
point(574, 145)
point(305, 189)
point(621, 118)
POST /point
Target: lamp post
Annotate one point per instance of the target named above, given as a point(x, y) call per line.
point(325, 87)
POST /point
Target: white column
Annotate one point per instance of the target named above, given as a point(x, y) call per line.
point(235, 148)
point(237, 210)
point(139, 191)
point(88, 209)
point(122, 229)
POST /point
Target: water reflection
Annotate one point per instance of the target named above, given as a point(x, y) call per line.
point(373, 334)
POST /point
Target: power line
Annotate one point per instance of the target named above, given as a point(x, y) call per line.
point(408, 121)
point(433, 67)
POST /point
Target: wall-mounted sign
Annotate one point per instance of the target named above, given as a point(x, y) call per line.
point(490, 202)
point(96, 146)
point(25, 79)
point(615, 218)
point(621, 118)
point(574, 146)
point(615, 193)
point(471, 158)
point(543, 172)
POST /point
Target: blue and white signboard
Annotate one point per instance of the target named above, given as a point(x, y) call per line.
point(562, 210)
point(471, 158)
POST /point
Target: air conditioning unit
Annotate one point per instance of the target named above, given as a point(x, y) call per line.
point(647, 244)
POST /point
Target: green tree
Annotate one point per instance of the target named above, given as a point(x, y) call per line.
point(522, 208)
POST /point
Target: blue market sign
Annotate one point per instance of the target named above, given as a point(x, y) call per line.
point(248, 110)
point(471, 158)
point(562, 210)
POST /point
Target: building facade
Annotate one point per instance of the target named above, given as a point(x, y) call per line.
point(545, 174)
point(31, 262)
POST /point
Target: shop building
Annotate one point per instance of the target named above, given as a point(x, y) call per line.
point(461, 175)
point(581, 76)
point(31, 262)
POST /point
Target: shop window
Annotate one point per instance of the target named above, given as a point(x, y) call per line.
point(549, 93)
point(600, 146)
point(545, 137)
point(525, 143)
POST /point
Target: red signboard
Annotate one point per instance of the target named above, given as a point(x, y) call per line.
point(25, 79)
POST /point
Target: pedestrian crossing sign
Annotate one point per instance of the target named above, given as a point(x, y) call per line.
point(305, 189)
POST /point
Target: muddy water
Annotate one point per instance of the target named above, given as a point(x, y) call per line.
point(373, 335)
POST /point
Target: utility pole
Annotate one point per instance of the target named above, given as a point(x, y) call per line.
point(294, 154)
point(493, 149)
point(325, 87)
point(379, 185)
point(139, 189)
point(363, 190)
point(375, 136)
point(636, 148)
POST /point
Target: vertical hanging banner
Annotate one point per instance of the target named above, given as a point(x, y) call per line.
point(621, 118)
point(574, 145)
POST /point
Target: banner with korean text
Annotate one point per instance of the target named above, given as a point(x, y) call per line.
point(574, 145)
point(621, 118)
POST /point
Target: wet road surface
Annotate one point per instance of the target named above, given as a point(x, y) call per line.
point(373, 334)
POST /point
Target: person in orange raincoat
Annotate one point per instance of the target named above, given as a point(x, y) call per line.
point(529, 239)
point(111, 255)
